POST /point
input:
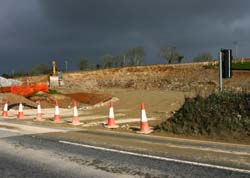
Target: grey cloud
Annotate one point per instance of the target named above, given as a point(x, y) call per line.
point(35, 31)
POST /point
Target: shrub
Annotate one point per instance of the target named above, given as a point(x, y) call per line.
point(219, 114)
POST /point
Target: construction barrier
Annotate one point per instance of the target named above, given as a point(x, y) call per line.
point(25, 90)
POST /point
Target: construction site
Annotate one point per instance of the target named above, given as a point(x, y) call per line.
point(124, 89)
point(113, 97)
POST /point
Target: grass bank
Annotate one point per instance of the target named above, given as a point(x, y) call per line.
point(225, 114)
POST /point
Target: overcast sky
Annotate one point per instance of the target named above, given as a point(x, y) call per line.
point(35, 31)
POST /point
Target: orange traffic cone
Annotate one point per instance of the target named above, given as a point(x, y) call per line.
point(144, 122)
point(39, 112)
point(111, 119)
point(75, 120)
point(5, 110)
point(57, 117)
point(20, 114)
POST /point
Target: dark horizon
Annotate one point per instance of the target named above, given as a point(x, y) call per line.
point(35, 32)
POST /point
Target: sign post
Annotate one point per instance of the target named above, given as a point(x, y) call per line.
point(225, 66)
point(220, 72)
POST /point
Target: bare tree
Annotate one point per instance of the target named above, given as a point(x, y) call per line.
point(40, 69)
point(203, 57)
point(107, 60)
point(171, 55)
point(83, 63)
point(136, 56)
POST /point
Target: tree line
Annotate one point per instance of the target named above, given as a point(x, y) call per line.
point(131, 57)
point(136, 56)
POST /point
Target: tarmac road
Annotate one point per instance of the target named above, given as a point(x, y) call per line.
point(45, 155)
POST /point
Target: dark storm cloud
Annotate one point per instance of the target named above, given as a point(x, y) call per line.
point(36, 31)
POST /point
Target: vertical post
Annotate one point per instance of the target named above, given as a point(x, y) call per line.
point(66, 66)
point(229, 63)
point(220, 72)
point(236, 50)
point(124, 61)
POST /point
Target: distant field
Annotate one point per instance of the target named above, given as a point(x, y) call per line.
point(242, 66)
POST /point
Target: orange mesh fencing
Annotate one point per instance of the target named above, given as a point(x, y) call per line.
point(26, 90)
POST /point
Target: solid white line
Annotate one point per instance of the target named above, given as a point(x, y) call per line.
point(208, 149)
point(9, 130)
point(158, 157)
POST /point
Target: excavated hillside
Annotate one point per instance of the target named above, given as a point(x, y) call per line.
point(198, 77)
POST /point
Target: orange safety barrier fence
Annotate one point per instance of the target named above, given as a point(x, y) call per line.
point(26, 90)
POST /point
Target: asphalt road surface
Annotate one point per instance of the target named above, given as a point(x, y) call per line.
point(25, 155)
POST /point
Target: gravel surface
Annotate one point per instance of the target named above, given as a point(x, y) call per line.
point(19, 161)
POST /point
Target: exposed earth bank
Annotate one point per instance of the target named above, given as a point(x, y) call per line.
point(163, 89)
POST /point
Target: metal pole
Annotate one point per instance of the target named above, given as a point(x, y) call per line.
point(220, 72)
point(66, 66)
point(236, 50)
point(229, 63)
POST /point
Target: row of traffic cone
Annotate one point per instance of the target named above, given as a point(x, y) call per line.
point(144, 127)
point(57, 116)
point(20, 114)
point(75, 119)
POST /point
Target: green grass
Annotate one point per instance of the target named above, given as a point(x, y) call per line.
point(239, 65)
point(49, 92)
point(54, 92)
point(235, 66)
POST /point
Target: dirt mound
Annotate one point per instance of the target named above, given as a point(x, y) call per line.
point(66, 100)
point(225, 114)
point(78, 82)
point(14, 100)
point(90, 98)
point(48, 100)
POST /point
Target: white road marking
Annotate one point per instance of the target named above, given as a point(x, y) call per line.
point(158, 157)
point(5, 132)
point(9, 130)
point(207, 149)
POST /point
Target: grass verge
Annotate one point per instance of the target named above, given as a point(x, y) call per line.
point(241, 65)
point(225, 114)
